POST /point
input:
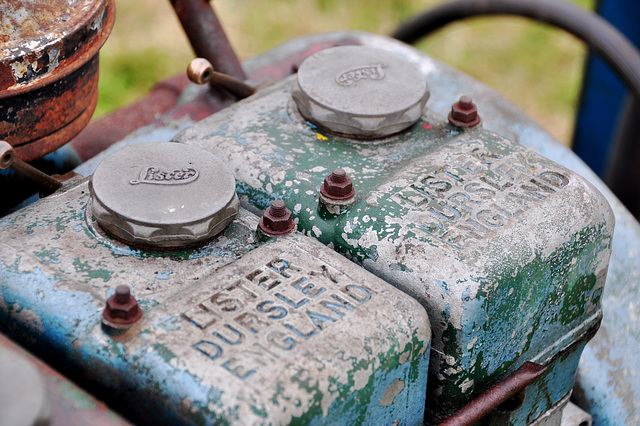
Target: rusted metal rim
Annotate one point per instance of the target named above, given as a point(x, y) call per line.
point(49, 70)
point(41, 121)
point(56, 49)
point(40, 147)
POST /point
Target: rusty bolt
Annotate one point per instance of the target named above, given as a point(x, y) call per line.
point(464, 113)
point(121, 310)
point(277, 219)
point(338, 186)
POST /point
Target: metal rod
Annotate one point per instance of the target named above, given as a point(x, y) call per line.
point(200, 71)
point(496, 395)
point(207, 37)
point(238, 88)
point(8, 159)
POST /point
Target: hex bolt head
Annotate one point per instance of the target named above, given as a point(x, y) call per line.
point(123, 294)
point(338, 186)
point(121, 310)
point(464, 113)
point(466, 103)
point(278, 209)
point(277, 219)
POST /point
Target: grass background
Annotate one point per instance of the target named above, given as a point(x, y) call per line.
point(535, 66)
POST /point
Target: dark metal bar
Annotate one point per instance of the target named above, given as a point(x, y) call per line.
point(200, 71)
point(8, 159)
point(207, 37)
point(48, 184)
point(496, 395)
point(233, 85)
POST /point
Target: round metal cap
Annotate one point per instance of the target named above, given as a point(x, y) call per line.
point(163, 194)
point(23, 396)
point(360, 91)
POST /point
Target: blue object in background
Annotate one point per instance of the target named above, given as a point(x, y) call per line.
point(604, 94)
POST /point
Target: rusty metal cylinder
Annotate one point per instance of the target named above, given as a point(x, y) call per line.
point(49, 70)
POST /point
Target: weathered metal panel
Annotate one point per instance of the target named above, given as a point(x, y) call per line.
point(507, 251)
point(607, 384)
point(232, 331)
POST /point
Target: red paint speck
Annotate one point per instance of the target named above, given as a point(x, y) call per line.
point(427, 126)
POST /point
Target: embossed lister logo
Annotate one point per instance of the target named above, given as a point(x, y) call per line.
point(157, 176)
point(371, 72)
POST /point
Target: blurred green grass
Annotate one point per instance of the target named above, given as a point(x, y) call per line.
point(535, 66)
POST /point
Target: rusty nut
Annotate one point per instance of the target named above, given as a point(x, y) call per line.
point(337, 186)
point(121, 310)
point(464, 113)
point(277, 219)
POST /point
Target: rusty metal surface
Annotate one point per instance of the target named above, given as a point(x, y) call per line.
point(41, 121)
point(498, 394)
point(69, 405)
point(121, 310)
point(46, 41)
point(277, 220)
point(338, 186)
point(464, 113)
point(49, 71)
point(207, 37)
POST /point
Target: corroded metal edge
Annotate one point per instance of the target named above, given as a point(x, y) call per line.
point(60, 57)
point(65, 116)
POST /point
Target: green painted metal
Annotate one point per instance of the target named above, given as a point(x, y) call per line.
point(570, 223)
point(234, 331)
point(507, 251)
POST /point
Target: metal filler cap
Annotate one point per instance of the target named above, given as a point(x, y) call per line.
point(360, 91)
point(163, 194)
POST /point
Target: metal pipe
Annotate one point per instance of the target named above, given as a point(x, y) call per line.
point(492, 398)
point(207, 37)
point(200, 71)
point(8, 159)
